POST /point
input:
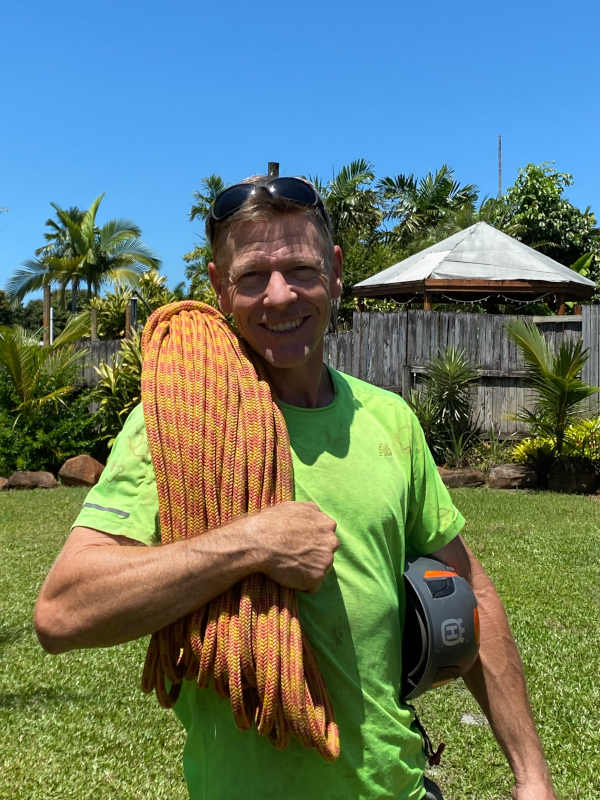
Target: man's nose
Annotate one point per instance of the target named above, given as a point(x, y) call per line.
point(278, 291)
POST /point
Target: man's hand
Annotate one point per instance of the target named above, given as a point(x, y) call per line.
point(297, 541)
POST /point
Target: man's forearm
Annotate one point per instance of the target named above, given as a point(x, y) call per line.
point(103, 591)
point(497, 682)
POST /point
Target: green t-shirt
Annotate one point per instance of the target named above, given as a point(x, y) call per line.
point(363, 460)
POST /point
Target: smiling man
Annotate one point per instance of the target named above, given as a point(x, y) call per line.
point(367, 494)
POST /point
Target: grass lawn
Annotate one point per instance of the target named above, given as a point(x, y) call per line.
point(77, 726)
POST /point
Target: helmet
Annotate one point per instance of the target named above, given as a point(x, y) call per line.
point(441, 627)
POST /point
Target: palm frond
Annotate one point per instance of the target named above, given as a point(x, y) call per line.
point(33, 275)
point(116, 230)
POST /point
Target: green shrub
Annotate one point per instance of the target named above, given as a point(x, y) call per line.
point(443, 407)
point(580, 449)
point(118, 390)
point(44, 440)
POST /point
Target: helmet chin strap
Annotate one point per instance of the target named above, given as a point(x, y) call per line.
point(433, 757)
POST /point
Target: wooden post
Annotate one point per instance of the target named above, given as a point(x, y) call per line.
point(562, 308)
point(128, 320)
point(94, 325)
point(46, 313)
point(273, 169)
point(426, 302)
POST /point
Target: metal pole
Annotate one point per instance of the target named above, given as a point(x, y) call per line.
point(133, 320)
point(499, 167)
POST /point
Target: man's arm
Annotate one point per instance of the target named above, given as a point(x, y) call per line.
point(104, 589)
point(497, 682)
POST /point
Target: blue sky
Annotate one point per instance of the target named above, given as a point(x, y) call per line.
point(142, 101)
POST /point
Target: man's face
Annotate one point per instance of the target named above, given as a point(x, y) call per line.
point(278, 286)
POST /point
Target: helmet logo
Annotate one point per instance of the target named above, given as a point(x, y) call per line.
point(453, 631)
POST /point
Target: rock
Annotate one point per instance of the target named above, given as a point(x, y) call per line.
point(31, 480)
point(572, 482)
point(512, 476)
point(458, 478)
point(3, 483)
point(80, 471)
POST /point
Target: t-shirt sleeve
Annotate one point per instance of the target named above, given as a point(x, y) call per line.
point(124, 502)
point(432, 519)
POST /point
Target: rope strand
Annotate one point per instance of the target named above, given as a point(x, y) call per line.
point(220, 449)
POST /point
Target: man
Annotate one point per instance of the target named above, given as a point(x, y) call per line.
point(367, 492)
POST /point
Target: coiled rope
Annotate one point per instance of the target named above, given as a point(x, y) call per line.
point(220, 449)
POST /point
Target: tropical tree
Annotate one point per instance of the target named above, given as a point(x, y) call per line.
point(152, 292)
point(554, 378)
point(81, 251)
point(41, 375)
point(199, 257)
point(535, 211)
point(352, 203)
point(211, 186)
point(418, 205)
point(354, 207)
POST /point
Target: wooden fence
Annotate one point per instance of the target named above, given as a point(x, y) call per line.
point(392, 350)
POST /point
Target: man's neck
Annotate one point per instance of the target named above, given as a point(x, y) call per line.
point(304, 387)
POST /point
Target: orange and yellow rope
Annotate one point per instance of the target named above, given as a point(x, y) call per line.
point(220, 449)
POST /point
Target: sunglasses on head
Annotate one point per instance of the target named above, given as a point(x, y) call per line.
point(294, 189)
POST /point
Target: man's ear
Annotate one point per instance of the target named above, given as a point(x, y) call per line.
point(219, 284)
point(335, 279)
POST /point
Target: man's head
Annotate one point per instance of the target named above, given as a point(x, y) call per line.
point(261, 197)
point(276, 268)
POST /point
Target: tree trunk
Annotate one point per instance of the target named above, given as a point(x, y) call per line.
point(74, 292)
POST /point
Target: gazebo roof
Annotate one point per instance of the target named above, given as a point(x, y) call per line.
point(477, 260)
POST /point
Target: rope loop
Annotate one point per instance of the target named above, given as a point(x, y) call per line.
point(220, 449)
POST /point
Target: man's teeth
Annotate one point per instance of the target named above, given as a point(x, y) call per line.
point(285, 326)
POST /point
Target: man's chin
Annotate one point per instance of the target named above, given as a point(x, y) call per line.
point(286, 358)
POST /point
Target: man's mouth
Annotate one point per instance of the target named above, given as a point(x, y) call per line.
point(282, 327)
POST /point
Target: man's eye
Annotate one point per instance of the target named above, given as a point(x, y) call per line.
point(304, 273)
point(249, 280)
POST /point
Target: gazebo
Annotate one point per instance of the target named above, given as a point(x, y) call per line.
point(477, 263)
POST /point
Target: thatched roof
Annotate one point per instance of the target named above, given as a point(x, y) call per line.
point(476, 261)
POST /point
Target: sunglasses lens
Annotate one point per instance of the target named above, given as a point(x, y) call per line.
point(294, 189)
point(229, 201)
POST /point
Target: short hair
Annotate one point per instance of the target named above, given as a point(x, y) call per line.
point(264, 205)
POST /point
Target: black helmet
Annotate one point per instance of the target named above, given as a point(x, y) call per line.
point(441, 627)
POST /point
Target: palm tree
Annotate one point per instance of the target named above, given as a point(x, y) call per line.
point(78, 250)
point(41, 374)
point(352, 202)
point(419, 205)
point(211, 187)
point(555, 380)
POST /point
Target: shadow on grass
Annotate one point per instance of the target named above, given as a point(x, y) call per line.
point(10, 635)
point(35, 697)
